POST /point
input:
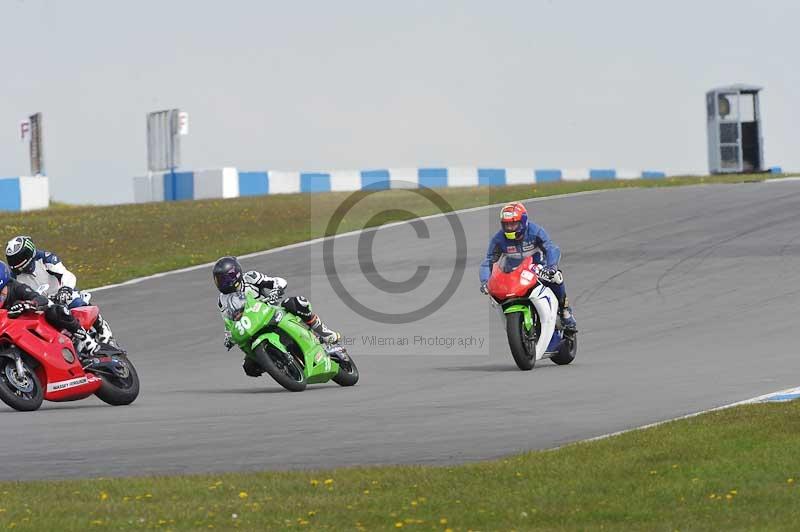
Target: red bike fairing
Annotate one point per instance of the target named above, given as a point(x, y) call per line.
point(518, 282)
point(59, 369)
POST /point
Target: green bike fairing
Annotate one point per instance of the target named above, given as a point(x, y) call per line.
point(252, 322)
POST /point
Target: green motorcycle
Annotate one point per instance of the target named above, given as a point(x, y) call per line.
point(283, 346)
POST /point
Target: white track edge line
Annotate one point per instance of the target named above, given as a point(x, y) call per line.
point(781, 179)
point(752, 400)
point(319, 240)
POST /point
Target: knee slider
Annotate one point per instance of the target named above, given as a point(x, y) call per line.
point(299, 306)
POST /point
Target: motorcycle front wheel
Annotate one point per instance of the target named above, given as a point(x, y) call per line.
point(283, 368)
point(521, 342)
point(21, 392)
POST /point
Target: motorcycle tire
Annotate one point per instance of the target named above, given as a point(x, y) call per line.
point(292, 378)
point(515, 326)
point(348, 373)
point(567, 350)
point(12, 395)
point(119, 390)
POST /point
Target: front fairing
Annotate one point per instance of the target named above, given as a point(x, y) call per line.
point(57, 364)
point(512, 278)
point(254, 317)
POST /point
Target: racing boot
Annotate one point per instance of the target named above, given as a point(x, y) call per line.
point(103, 329)
point(325, 334)
point(84, 344)
point(252, 369)
point(568, 320)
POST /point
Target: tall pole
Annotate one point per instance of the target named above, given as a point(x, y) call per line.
point(36, 145)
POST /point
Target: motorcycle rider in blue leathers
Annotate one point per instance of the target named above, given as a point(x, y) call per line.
point(44, 272)
point(519, 238)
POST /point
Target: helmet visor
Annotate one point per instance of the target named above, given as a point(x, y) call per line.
point(227, 282)
point(25, 265)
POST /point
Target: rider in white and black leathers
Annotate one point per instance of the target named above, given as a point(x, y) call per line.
point(230, 279)
point(18, 298)
point(44, 272)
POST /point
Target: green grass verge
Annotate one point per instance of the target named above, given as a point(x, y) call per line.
point(110, 244)
point(735, 469)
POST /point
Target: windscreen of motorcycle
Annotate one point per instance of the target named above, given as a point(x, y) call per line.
point(508, 263)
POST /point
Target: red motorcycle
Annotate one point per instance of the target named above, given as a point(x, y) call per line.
point(37, 362)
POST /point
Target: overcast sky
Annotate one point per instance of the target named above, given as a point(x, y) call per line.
point(351, 84)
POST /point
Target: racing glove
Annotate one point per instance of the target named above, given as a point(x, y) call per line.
point(64, 295)
point(17, 309)
point(274, 295)
point(228, 341)
point(548, 273)
point(484, 289)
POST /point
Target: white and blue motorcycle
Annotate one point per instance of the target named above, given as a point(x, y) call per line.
point(530, 311)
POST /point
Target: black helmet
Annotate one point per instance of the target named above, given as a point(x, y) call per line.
point(228, 275)
point(20, 251)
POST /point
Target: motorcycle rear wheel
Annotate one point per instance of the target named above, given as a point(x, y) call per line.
point(119, 390)
point(287, 373)
point(567, 350)
point(27, 395)
point(348, 373)
point(515, 330)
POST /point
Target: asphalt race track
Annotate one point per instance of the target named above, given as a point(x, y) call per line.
point(686, 299)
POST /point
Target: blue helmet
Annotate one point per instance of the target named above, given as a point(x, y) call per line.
point(5, 277)
point(5, 274)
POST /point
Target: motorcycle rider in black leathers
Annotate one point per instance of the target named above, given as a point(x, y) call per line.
point(231, 279)
point(18, 298)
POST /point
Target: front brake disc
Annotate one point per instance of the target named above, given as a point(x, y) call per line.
point(23, 384)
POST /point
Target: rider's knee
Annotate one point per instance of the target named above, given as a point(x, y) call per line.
point(299, 306)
